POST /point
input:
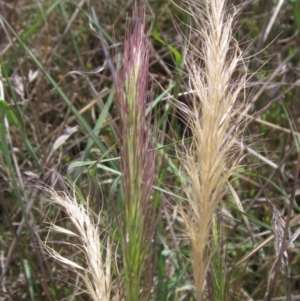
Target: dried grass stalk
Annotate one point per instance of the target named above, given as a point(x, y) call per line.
point(96, 275)
point(209, 160)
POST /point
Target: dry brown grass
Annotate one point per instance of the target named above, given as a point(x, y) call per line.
point(96, 272)
point(210, 159)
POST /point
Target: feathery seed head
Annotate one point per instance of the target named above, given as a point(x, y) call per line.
point(208, 160)
point(97, 273)
point(137, 159)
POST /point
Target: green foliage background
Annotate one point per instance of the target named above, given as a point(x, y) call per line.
point(56, 78)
